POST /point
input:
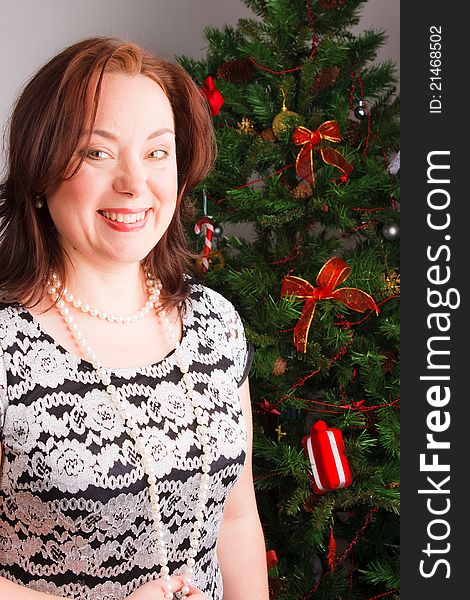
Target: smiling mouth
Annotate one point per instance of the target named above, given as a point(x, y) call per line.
point(125, 217)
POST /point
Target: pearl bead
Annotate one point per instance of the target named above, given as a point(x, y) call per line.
point(125, 410)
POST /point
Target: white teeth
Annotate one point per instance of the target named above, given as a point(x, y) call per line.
point(124, 217)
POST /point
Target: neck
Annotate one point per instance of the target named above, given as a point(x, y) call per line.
point(119, 289)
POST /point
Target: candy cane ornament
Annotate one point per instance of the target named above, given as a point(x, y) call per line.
point(206, 223)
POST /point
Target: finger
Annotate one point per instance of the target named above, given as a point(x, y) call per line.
point(170, 587)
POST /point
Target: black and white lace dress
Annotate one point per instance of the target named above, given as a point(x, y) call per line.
point(75, 515)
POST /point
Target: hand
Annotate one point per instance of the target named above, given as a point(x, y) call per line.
point(154, 590)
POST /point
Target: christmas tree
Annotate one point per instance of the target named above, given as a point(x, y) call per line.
point(308, 138)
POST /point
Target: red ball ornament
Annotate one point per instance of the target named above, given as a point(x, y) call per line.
point(325, 449)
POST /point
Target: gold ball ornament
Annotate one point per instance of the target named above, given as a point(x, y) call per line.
point(216, 262)
point(284, 121)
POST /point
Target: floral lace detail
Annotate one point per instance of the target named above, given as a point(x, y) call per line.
point(74, 506)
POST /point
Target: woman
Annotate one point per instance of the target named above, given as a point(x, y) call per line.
point(124, 399)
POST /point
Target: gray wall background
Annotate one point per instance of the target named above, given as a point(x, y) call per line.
point(32, 31)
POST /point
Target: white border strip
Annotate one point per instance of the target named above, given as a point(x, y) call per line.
point(314, 465)
point(336, 456)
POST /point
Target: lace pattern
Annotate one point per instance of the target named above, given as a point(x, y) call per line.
point(74, 507)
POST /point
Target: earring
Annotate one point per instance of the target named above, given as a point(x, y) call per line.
point(39, 202)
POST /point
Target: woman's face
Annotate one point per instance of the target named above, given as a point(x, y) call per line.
point(121, 201)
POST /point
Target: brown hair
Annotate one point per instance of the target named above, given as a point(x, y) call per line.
point(46, 125)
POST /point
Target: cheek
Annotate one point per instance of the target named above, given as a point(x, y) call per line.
point(165, 188)
point(68, 203)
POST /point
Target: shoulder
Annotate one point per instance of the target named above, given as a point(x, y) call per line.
point(8, 314)
point(207, 300)
point(13, 322)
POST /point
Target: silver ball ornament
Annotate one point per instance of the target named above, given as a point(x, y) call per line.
point(360, 111)
point(391, 231)
point(218, 230)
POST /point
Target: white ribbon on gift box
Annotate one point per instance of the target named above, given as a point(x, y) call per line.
point(337, 458)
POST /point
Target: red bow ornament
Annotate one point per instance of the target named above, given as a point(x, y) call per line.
point(213, 95)
point(329, 131)
point(332, 274)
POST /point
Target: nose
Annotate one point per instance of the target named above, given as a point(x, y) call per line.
point(130, 178)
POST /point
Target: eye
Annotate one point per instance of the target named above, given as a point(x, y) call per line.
point(95, 154)
point(158, 154)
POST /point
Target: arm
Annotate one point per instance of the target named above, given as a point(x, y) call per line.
point(14, 591)
point(240, 547)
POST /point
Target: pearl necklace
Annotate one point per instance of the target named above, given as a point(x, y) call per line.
point(55, 285)
point(123, 405)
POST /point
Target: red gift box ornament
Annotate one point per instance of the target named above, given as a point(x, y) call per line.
point(325, 449)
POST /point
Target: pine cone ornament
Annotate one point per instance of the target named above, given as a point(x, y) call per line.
point(389, 362)
point(268, 135)
point(371, 422)
point(325, 78)
point(276, 586)
point(353, 133)
point(238, 70)
point(279, 366)
point(330, 4)
point(302, 190)
point(311, 503)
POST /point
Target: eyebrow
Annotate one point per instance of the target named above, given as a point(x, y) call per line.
point(111, 136)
